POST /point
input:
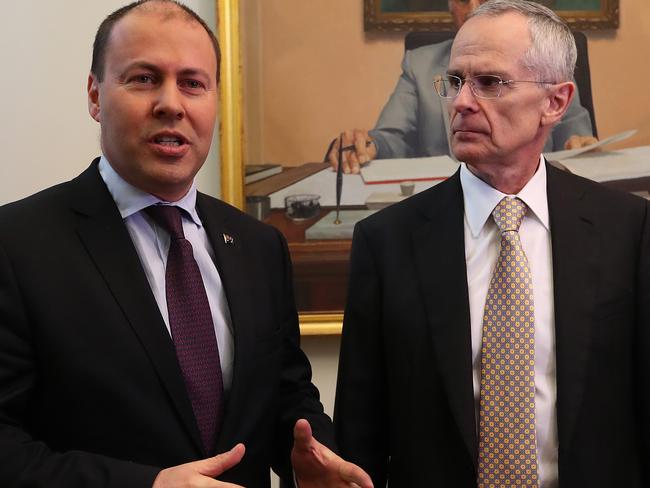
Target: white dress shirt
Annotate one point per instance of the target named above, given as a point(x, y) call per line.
point(152, 245)
point(482, 242)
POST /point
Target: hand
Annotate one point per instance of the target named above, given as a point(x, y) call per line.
point(316, 466)
point(576, 142)
point(354, 158)
point(201, 474)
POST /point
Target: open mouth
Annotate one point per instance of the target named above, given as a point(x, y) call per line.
point(169, 145)
point(170, 141)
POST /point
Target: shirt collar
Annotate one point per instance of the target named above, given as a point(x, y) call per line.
point(130, 200)
point(480, 198)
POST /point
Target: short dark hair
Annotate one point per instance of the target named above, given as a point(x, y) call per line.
point(103, 34)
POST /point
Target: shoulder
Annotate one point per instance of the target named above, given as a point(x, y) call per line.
point(86, 192)
point(235, 219)
point(40, 207)
point(594, 201)
point(406, 216)
point(432, 54)
point(561, 180)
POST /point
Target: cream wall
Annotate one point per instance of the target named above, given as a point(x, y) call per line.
point(314, 71)
point(46, 133)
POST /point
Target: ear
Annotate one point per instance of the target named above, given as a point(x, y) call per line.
point(93, 97)
point(557, 102)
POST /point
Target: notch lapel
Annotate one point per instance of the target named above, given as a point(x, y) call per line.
point(576, 243)
point(440, 257)
point(109, 245)
point(234, 272)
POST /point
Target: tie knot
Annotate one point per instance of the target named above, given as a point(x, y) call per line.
point(509, 213)
point(169, 218)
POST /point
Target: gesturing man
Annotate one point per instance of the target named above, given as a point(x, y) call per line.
point(148, 335)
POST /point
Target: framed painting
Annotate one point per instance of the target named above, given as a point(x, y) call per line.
point(320, 268)
point(414, 15)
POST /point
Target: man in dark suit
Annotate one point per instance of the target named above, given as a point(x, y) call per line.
point(148, 335)
point(509, 349)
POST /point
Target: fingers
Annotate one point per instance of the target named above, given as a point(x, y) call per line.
point(364, 150)
point(351, 473)
point(316, 465)
point(201, 474)
point(576, 142)
point(302, 435)
point(333, 155)
point(216, 465)
point(361, 151)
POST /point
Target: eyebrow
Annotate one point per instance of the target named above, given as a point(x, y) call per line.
point(156, 69)
point(498, 73)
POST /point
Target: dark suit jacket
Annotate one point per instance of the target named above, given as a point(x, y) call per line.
point(91, 394)
point(405, 403)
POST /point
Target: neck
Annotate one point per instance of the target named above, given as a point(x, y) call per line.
point(507, 179)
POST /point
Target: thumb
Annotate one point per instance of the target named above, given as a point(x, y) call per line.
point(216, 465)
point(302, 435)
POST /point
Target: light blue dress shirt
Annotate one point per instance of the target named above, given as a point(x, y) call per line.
point(152, 245)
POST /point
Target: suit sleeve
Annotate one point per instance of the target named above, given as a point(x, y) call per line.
point(24, 460)
point(576, 121)
point(396, 131)
point(361, 410)
point(298, 396)
point(643, 346)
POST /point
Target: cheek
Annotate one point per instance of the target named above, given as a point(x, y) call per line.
point(127, 117)
point(205, 121)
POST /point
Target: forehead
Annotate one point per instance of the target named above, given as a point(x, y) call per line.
point(490, 44)
point(160, 36)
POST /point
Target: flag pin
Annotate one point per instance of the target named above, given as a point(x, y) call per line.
point(228, 239)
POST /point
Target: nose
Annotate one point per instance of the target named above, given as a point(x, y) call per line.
point(169, 102)
point(465, 100)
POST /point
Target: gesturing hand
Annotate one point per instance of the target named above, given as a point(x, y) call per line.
point(200, 474)
point(316, 466)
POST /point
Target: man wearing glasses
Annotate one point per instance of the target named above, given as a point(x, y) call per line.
point(414, 123)
point(496, 331)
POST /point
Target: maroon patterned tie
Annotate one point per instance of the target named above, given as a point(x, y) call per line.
point(191, 326)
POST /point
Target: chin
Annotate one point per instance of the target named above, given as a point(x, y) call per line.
point(467, 154)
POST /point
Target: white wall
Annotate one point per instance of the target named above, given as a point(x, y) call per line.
point(46, 133)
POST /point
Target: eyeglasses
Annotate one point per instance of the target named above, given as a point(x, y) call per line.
point(482, 86)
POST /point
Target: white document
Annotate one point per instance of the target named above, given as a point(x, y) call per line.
point(382, 171)
point(570, 153)
point(610, 166)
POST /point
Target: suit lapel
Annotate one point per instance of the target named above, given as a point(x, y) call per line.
point(440, 257)
point(109, 244)
point(233, 270)
point(576, 246)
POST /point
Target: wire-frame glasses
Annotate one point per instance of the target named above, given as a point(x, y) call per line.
point(482, 86)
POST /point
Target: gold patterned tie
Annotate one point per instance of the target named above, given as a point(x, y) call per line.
point(507, 441)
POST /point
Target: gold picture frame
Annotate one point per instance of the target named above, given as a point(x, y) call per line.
point(232, 142)
point(403, 15)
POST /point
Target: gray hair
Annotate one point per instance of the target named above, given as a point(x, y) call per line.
point(552, 53)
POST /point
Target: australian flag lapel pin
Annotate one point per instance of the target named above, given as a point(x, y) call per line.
point(228, 239)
